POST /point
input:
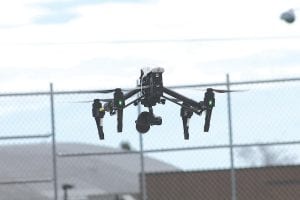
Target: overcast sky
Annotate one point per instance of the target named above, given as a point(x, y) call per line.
point(87, 44)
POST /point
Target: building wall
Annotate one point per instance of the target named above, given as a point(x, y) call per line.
point(274, 183)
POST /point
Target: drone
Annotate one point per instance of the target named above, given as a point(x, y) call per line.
point(150, 92)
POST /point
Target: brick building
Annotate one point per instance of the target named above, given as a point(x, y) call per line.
point(274, 183)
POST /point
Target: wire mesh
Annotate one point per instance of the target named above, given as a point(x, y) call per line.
point(265, 142)
point(26, 164)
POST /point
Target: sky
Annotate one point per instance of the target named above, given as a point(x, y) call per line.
point(94, 44)
point(97, 44)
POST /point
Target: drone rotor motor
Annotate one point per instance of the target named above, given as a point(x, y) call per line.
point(209, 103)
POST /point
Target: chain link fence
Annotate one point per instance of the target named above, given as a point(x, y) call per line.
point(50, 147)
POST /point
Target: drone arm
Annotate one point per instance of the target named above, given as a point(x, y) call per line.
point(131, 93)
point(189, 104)
point(191, 109)
point(134, 101)
point(108, 106)
point(180, 97)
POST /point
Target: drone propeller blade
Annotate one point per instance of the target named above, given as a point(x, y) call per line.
point(104, 100)
point(105, 91)
point(122, 89)
point(89, 101)
point(226, 91)
point(223, 91)
point(138, 87)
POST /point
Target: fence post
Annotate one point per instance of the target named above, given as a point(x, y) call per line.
point(53, 142)
point(143, 177)
point(232, 168)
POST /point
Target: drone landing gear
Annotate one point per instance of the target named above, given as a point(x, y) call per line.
point(186, 115)
point(98, 114)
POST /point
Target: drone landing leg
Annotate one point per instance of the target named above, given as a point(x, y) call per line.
point(186, 115)
point(120, 120)
point(98, 114)
point(99, 122)
point(185, 128)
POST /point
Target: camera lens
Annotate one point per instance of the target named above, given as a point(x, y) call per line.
point(142, 128)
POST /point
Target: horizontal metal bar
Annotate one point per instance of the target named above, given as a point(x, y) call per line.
point(196, 85)
point(164, 40)
point(235, 83)
point(96, 153)
point(48, 93)
point(177, 149)
point(18, 182)
point(267, 144)
point(223, 146)
point(15, 137)
point(55, 93)
point(266, 81)
point(171, 87)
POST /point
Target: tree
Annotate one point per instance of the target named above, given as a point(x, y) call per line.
point(125, 146)
point(265, 156)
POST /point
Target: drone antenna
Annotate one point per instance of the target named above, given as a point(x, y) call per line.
point(141, 78)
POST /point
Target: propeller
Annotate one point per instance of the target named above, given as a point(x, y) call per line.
point(88, 101)
point(106, 91)
point(223, 91)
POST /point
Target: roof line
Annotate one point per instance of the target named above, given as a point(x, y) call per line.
point(224, 170)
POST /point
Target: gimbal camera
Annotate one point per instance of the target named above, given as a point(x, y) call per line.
point(151, 92)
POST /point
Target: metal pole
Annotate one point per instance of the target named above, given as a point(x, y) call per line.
point(143, 177)
point(65, 194)
point(232, 169)
point(53, 142)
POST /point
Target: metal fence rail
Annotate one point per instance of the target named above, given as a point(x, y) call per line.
point(17, 137)
point(225, 146)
